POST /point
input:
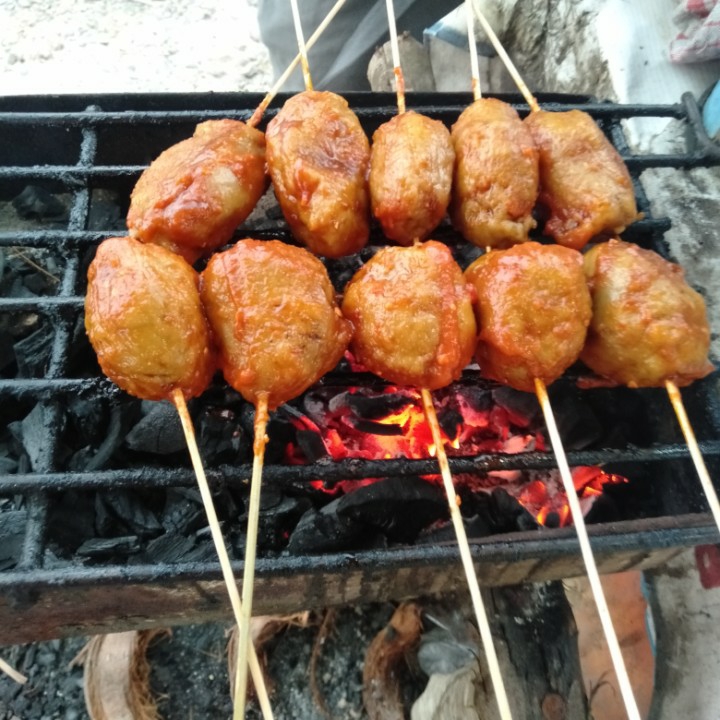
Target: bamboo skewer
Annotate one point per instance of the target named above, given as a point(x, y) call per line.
point(251, 658)
point(301, 45)
point(695, 454)
point(453, 500)
point(587, 555)
point(12, 673)
point(472, 46)
point(244, 645)
point(463, 545)
point(529, 98)
point(262, 107)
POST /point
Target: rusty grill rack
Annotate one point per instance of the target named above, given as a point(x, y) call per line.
point(77, 144)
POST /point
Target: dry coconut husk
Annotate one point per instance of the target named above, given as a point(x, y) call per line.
point(116, 679)
point(263, 628)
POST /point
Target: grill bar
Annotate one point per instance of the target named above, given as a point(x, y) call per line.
point(352, 469)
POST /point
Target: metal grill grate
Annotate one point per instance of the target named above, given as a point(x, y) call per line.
point(43, 133)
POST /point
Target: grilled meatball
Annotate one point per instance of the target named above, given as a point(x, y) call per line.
point(583, 180)
point(496, 175)
point(533, 309)
point(413, 317)
point(144, 318)
point(411, 168)
point(194, 195)
point(273, 310)
point(648, 325)
point(318, 156)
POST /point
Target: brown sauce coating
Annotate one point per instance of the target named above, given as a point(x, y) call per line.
point(496, 175)
point(196, 193)
point(648, 324)
point(533, 309)
point(318, 157)
point(411, 169)
point(144, 318)
point(272, 308)
point(583, 180)
point(412, 313)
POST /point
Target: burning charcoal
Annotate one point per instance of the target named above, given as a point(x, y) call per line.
point(105, 547)
point(32, 352)
point(312, 445)
point(324, 531)
point(132, 512)
point(281, 432)
point(376, 428)
point(522, 407)
point(158, 432)
point(507, 514)
point(400, 507)
point(36, 203)
point(183, 511)
point(221, 438)
point(476, 526)
point(12, 535)
point(373, 407)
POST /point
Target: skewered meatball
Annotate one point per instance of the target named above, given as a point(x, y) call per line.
point(583, 180)
point(648, 325)
point(194, 195)
point(496, 175)
point(318, 156)
point(413, 317)
point(411, 168)
point(144, 318)
point(533, 310)
point(273, 310)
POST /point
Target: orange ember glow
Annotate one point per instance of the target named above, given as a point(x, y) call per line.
point(390, 423)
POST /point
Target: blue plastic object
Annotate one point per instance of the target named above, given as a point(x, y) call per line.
point(711, 113)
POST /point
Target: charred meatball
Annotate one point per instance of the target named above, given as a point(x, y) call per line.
point(583, 180)
point(318, 156)
point(411, 168)
point(648, 325)
point(412, 313)
point(273, 310)
point(533, 309)
point(144, 318)
point(496, 175)
point(194, 195)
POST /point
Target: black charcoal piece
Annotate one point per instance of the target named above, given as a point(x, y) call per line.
point(577, 424)
point(71, 520)
point(324, 530)
point(36, 429)
point(399, 507)
point(7, 351)
point(506, 513)
point(104, 547)
point(12, 534)
point(312, 445)
point(36, 203)
point(32, 352)
point(523, 407)
point(169, 548)
point(221, 438)
point(183, 511)
point(133, 512)
point(275, 521)
point(476, 526)
point(158, 432)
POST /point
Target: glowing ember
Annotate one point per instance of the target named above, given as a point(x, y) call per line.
point(390, 423)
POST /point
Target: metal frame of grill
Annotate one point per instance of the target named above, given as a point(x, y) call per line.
point(38, 603)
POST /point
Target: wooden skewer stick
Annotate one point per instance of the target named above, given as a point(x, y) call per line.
point(480, 613)
point(395, 50)
point(301, 45)
point(189, 430)
point(244, 644)
point(472, 45)
point(262, 107)
point(592, 572)
point(688, 432)
point(12, 673)
point(529, 98)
